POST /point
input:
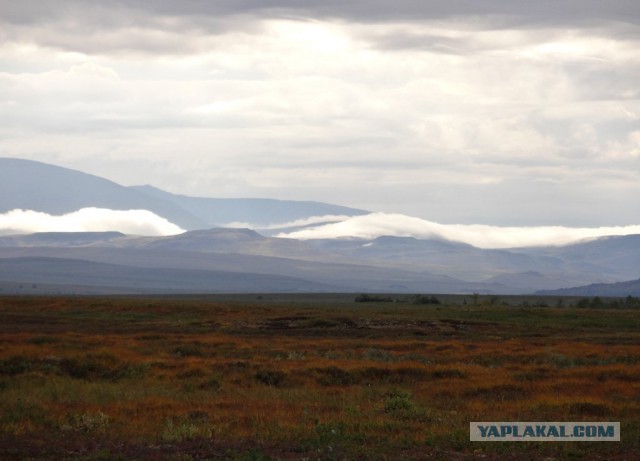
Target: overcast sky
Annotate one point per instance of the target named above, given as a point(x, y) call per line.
point(496, 112)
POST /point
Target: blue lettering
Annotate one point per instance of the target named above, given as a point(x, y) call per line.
point(566, 431)
point(605, 431)
point(505, 430)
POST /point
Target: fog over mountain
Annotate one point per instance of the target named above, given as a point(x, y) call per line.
point(378, 224)
point(142, 222)
point(36, 186)
point(62, 193)
point(141, 239)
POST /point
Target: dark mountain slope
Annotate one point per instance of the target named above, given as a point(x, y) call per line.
point(343, 277)
point(382, 264)
point(127, 279)
point(60, 239)
point(222, 240)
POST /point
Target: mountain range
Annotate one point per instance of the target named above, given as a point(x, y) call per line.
point(37, 186)
point(211, 258)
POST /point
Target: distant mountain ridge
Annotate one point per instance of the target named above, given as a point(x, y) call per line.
point(58, 239)
point(619, 289)
point(382, 264)
point(620, 255)
point(126, 279)
point(255, 211)
point(37, 186)
point(388, 264)
point(334, 276)
point(30, 185)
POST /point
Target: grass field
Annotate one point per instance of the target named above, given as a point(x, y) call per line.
point(309, 377)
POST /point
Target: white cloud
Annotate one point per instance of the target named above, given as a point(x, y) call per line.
point(296, 223)
point(379, 224)
point(628, 149)
point(290, 102)
point(136, 222)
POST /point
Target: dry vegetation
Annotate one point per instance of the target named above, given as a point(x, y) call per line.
point(253, 378)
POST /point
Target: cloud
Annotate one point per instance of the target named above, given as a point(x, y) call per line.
point(296, 223)
point(136, 222)
point(125, 12)
point(444, 110)
point(380, 224)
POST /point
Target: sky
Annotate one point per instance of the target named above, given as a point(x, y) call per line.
point(488, 112)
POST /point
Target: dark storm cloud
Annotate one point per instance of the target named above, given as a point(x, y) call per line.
point(541, 11)
point(173, 27)
point(117, 26)
point(568, 12)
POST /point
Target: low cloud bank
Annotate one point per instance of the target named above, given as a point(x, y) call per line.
point(325, 219)
point(378, 224)
point(137, 222)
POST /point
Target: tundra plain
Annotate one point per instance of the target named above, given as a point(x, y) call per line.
point(311, 377)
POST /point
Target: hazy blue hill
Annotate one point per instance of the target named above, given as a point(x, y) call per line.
point(384, 264)
point(456, 259)
point(613, 257)
point(126, 279)
point(620, 289)
point(37, 186)
point(343, 277)
point(395, 248)
point(227, 240)
point(531, 281)
point(256, 211)
point(59, 239)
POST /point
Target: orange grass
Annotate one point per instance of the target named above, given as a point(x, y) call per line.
point(198, 379)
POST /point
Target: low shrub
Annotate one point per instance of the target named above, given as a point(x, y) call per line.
point(99, 366)
point(398, 400)
point(15, 365)
point(334, 376)
point(271, 377)
point(589, 409)
point(188, 350)
point(87, 422)
point(365, 298)
point(500, 392)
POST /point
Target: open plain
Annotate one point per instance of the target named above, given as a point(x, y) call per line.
point(315, 377)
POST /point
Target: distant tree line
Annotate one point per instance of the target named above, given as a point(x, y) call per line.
point(412, 299)
point(630, 302)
